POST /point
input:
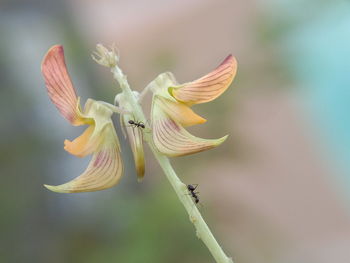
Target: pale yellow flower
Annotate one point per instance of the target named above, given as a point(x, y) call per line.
point(99, 139)
point(171, 110)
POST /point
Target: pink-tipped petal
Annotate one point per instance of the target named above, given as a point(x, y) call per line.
point(208, 87)
point(173, 140)
point(59, 85)
point(104, 170)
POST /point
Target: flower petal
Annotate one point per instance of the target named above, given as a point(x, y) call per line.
point(179, 111)
point(97, 115)
point(104, 170)
point(83, 145)
point(208, 87)
point(59, 85)
point(136, 143)
point(173, 140)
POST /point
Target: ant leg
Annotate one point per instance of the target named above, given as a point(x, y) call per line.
point(199, 205)
point(147, 126)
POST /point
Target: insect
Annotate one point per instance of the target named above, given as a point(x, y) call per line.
point(138, 124)
point(191, 188)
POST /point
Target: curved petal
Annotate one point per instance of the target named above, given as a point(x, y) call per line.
point(208, 87)
point(59, 85)
point(83, 145)
point(173, 140)
point(104, 170)
point(179, 112)
point(135, 137)
point(97, 116)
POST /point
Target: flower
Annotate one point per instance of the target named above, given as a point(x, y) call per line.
point(171, 110)
point(99, 139)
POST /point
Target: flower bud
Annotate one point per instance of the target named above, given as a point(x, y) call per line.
point(105, 57)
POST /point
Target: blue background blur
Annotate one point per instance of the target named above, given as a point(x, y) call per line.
point(276, 191)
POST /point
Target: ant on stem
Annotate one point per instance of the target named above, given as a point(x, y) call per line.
point(191, 188)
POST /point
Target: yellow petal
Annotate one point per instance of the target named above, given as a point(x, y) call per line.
point(178, 111)
point(135, 137)
point(173, 140)
point(104, 170)
point(84, 144)
point(98, 115)
point(208, 87)
point(59, 85)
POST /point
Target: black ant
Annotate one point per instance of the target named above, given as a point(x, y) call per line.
point(138, 124)
point(191, 189)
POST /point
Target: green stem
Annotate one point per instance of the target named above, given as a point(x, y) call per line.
point(202, 230)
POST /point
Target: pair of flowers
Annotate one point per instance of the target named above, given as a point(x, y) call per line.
point(170, 113)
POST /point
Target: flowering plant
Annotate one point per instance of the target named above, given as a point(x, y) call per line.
point(166, 135)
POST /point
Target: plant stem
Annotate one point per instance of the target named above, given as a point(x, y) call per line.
point(202, 230)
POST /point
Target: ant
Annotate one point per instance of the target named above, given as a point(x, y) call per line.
point(191, 189)
point(138, 124)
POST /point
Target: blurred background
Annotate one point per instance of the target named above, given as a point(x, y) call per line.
point(276, 191)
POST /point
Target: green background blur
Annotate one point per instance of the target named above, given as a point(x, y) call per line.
point(275, 191)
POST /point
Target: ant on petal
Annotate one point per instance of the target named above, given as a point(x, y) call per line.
point(137, 124)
